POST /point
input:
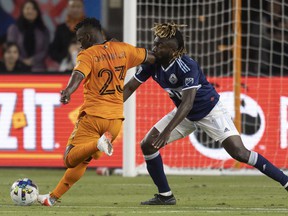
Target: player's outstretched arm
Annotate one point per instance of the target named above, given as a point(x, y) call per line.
point(130, 87)
point(183, 109)
point(150, 58)
point(73, 84)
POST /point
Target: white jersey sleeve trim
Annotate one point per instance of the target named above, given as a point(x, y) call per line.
point(182, 65)
point(190, 87)
point(138, 79)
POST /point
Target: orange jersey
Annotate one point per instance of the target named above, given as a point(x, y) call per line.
point(104, 67)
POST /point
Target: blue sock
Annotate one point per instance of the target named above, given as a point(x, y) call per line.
point(155, 168)
point(262, 164)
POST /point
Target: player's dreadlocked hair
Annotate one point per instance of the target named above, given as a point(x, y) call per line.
point(89, 22)
point(171, 30)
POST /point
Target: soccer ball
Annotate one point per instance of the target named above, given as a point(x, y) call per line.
point(24, 192)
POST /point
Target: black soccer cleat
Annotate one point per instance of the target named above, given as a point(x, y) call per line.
point(286, 186)
point(160, 200)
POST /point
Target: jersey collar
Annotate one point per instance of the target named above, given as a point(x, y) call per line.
point(166, 69)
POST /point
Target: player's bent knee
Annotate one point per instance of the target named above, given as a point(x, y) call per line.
point(236, 149)
point(147, 148)
point(143, 145)
point(241, 156)
point(66, 158)
point(67, 164)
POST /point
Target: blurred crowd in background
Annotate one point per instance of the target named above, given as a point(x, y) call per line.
point(44, 41)
point(27, 43)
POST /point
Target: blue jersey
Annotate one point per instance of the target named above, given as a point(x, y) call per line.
point(183, 73)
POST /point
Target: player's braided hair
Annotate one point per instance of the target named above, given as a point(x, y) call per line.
point(171, 30)
point(89, 21)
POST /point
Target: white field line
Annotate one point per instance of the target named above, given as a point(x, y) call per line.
point(139, 209)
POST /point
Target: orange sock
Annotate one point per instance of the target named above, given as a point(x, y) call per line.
point(80, 153)
point(71, 176)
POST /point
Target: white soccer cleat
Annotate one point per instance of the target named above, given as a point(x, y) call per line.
point(46, 200)
point(104, 143)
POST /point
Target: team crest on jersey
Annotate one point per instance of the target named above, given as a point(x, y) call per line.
point(189, 81)
point(173, 79)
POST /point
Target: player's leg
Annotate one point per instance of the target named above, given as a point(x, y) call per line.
point(70, 177)
point(154, 161)
point(154, 165)
point(234, 146)
point(89, 136)
point(111, 125)
point(219, 126)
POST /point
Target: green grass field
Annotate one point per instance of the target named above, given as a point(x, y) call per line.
point(97, 195)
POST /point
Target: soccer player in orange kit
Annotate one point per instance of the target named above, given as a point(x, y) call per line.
point(103, 64)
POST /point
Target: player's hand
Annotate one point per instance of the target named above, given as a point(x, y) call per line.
point(161, 140)
point(65, 97)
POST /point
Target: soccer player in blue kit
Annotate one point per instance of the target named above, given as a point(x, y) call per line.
point(197, 105)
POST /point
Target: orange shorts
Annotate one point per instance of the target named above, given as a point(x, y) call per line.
point(90, 128)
